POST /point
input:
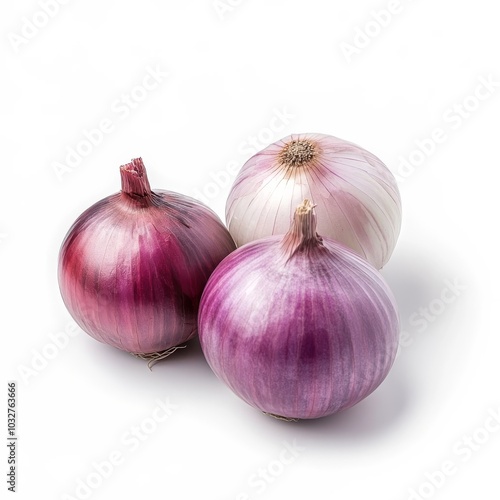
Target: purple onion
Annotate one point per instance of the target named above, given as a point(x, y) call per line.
point(133, 266)
point(298, 326)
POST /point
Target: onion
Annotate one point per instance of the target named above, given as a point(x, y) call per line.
point(133, 266)
point(357, 198)
point(298, 326)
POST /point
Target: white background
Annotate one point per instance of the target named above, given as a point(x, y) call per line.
point(229, 73)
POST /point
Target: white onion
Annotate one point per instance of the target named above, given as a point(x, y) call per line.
point(356, 196)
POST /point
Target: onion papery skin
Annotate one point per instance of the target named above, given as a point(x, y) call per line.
point(300, 336)
point(133, 266)
point(356, 196)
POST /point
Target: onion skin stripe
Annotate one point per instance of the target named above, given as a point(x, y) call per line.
point(358, 201)
point(302, 335)
point(132, 267)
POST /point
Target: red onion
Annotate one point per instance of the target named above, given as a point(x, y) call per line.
point(133, 266)
point(356, 195)
point(298, 326)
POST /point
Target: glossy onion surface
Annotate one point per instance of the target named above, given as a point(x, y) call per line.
point(298, 326)
point(133, 266)
point(356, 196)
